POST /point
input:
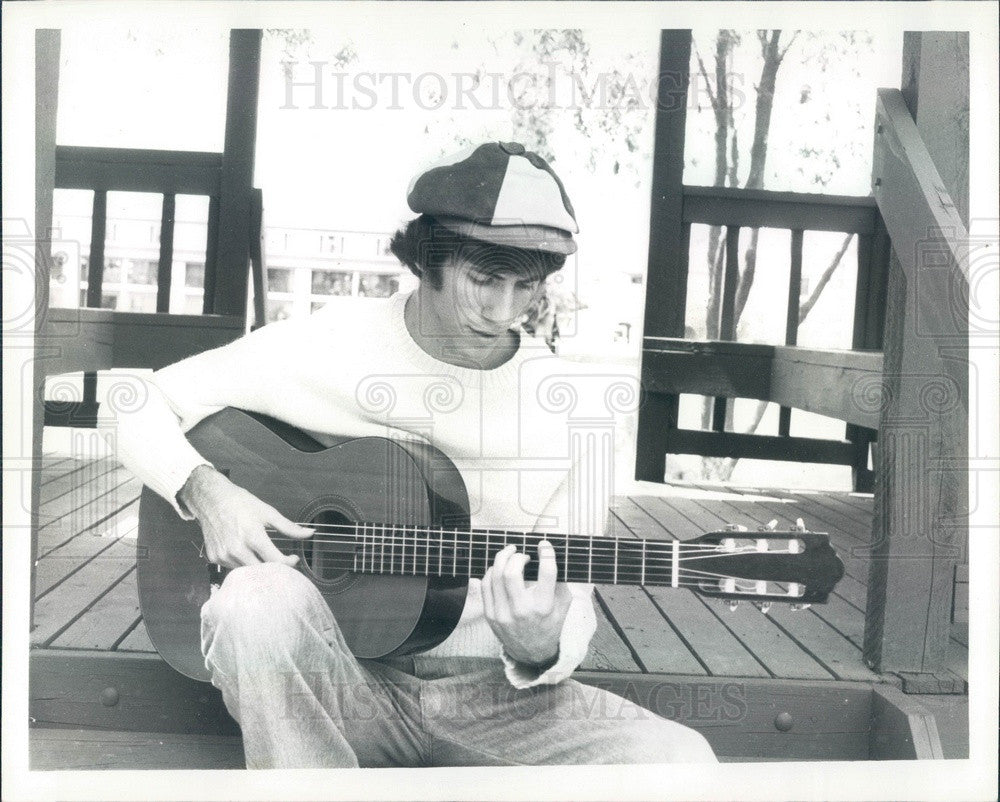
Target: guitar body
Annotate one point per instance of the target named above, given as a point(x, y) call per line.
point(362, 479)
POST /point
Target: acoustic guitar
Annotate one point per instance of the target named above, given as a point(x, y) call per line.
point(394, 550)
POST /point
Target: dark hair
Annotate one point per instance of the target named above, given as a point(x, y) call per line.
point(425, 246)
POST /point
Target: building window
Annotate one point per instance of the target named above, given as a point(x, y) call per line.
point(279, 279)
point(194, 274)
point(143, 271)
point(112, 271)
point(331, 282)
point(142, 302)
point(278, 310)
point(378, 285)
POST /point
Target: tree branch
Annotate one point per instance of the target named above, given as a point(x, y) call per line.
point(791, 41)
point(805, 308)
point(704, 74)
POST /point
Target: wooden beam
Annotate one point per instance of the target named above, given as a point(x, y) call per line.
point(229, 295)
point(792, 315)
point(741, 717)
point(841, 384)
point(938, 99)
point(47, 49)
point(95, 260)
point(759, 446)
point(758, 208)
point(921, 493)
point(667, 264)
point(130, 170)
point(166, 262)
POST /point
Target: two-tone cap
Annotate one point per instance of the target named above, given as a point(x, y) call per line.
point(498, 192)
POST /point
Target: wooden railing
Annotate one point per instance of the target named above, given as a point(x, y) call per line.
point(103, 338)
point(782, 373)
point(838, 384)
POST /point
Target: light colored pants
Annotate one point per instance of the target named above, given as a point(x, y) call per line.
point(302, 699)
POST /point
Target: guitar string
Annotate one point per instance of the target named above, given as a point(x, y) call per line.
point(405, 536)
point(377, 550)
point(599, 545)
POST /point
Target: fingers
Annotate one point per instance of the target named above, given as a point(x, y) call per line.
point(548, 572)
point(286, 527)
point(265, 549)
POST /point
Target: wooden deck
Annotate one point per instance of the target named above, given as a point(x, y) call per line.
point(86, 601)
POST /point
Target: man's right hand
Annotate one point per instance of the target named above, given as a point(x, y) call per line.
point(233, 521)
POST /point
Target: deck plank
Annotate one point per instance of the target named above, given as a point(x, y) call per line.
point(835, 503)
point(97, 507)
point(771, 645)
point(104, 624)
point(638, 522)
point(832, 649)
point(813, 506)
point(72, 597)
point(58, 563)
point(654, 641)
point(707, 636)
point(56, 467)
point(75, 482)
point(65, 749)
point(137, 641)
point(675, 525)
point(607, 650)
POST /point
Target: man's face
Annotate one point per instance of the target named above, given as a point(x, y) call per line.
point(478, 304)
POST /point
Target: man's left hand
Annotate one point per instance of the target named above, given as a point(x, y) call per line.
point(527, 619)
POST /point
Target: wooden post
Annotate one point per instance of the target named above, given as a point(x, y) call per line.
point(921, 485)
point(47, 48)
point(229, 290)
point(666, 275)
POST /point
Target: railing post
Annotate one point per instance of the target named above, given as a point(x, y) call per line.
point(229, 290)
point(666, 276)
point(921, 484)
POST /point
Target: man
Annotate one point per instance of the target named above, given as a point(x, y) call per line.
point(448, 364)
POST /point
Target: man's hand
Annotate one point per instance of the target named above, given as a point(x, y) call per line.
point(233, 521)
point(527, 620)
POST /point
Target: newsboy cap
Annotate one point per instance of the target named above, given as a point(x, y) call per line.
point(501, 193)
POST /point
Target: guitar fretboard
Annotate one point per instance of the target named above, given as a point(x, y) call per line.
point(436, 551)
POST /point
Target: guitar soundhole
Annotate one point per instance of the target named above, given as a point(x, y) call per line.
point(329, 554)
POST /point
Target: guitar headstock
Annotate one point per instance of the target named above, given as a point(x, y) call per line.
point(795, 565)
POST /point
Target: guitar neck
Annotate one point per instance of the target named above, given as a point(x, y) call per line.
point(435, 551)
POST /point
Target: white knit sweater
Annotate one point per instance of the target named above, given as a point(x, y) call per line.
point(532, 439)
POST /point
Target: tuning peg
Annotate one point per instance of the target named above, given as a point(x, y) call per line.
point(735, 528)
point(800, 606)
point(764, 607)
point(800, 525)
point(772, 524)
point(733, 605)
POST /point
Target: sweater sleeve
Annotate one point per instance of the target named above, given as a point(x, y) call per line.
point(150, 435)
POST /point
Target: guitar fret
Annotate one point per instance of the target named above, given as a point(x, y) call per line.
point(486, 558)
point(454, 556)
point(414, 550)
point(642, 580)
point(615, 578)
point(470, 554)
point(440, 550)
point(675, 565)
point(590, 560)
